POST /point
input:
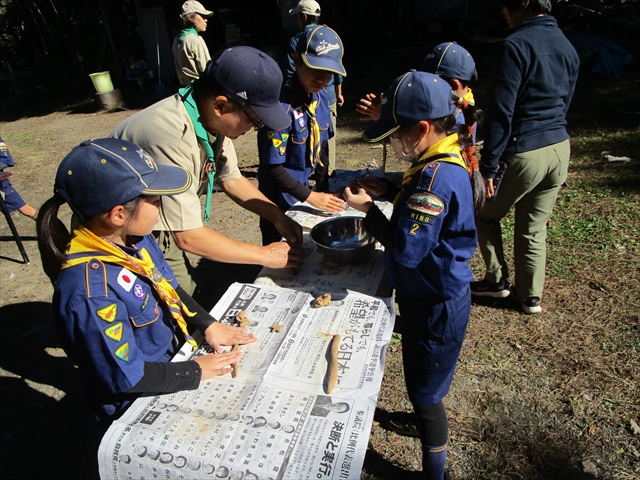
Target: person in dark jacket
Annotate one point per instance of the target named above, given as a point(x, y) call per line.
point(532, 81)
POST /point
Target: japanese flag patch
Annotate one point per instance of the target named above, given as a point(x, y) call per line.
point(126, 279)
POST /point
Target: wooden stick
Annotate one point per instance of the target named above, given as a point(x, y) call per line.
point(332, 370)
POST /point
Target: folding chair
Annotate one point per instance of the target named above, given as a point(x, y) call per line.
point(7, 215)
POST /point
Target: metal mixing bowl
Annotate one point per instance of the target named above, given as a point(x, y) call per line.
point(343, 239)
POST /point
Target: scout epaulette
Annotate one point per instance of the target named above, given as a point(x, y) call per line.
point(86, 242)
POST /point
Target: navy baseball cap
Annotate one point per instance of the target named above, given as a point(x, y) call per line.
point(252, 77)
point(100, 174)
point(411, 98)
point(321, 49)
point(450, 60)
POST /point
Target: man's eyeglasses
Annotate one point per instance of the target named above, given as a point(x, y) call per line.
point(257, 124)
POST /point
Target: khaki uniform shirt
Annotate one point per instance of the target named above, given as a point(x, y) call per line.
point(164, 130)
point(190, 57)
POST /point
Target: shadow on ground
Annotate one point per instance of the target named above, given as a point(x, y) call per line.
point(42, 408)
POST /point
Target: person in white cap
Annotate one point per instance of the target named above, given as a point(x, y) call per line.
point(190, 52)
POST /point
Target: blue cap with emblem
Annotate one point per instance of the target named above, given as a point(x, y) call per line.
point(413, 97)
point(450, 60)
point(100, 174)
point(251, 77)
point(321, 49)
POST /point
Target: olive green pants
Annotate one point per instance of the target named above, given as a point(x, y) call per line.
point(179, 263)
point(531, 183)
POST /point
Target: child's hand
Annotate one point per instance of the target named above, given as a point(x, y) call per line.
point(369, 107)
point(216, 364)
point(372, 184)
point(220, 334)
point(358, 198)
point(326, 201)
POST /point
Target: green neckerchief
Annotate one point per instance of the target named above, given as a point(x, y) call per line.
point(187, 31)
point(186, 95)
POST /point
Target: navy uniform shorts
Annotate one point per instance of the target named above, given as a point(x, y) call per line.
point(12, 198)
point(432, 337)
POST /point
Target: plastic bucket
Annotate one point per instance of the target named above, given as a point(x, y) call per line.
point(101, 82)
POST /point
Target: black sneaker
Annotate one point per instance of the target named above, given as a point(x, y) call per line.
point(484, 288)
point(402, 423)
point(531, 305)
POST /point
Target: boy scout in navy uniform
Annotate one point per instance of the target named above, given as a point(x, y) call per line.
point(428, 241)
point(289, 156)
point(307, 13)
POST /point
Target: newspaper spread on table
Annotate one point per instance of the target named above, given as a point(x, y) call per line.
point(276, 419)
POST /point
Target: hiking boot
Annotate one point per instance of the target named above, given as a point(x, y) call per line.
point(402, 423)
point(531, 305)
point(485, 288)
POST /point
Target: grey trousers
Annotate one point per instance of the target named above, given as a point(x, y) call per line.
point(332, 141)
point(531, 183)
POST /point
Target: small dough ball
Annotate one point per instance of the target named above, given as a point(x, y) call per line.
point(323, 300)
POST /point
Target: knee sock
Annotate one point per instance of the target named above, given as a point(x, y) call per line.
point(434, 435)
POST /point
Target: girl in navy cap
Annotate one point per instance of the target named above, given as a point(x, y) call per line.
point(118, 309)
point(428, 241)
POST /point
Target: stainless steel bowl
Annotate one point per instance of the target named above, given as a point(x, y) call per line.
point(343, 239)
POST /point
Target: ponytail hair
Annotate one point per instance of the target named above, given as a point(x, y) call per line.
point(53, 237)
point(447, 125)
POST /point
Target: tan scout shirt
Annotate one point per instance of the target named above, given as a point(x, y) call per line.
point(190, 57)
point(164, 130)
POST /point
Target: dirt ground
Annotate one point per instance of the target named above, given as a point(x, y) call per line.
point(521, 406)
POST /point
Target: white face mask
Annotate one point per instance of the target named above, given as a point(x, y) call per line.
point(398, 146)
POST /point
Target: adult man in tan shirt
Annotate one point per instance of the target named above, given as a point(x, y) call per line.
point(192, 129)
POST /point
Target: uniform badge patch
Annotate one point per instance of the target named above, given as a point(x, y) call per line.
point(301, 122)
point(276, 142)
point(123, 352)
point(426, 203)
point(145, 302)
point(284, 137)
point(138, 291)
point(108, 313)
point(114, 332)
point(283, 150)
point(270, 134)
point(126, 279)
point(297, 113)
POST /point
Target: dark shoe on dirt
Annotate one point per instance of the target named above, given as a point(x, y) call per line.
point(531, 305)
point(402, 423)
point(484, 288)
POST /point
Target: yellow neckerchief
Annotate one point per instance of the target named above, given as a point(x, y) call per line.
point(469, 97)
point(85, 241)
point(314, 134)
point(447, 150)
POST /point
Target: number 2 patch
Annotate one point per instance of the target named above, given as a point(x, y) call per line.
point(413, 230)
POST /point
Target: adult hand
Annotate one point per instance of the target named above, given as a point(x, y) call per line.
point(326, 201)
point(358, 198)
point(289, 229)
point(215, 364)
point(371, 184)
point(220, 334)
point(488, 183)
point(282, 255)
point(369, 107)
point(340, 99)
